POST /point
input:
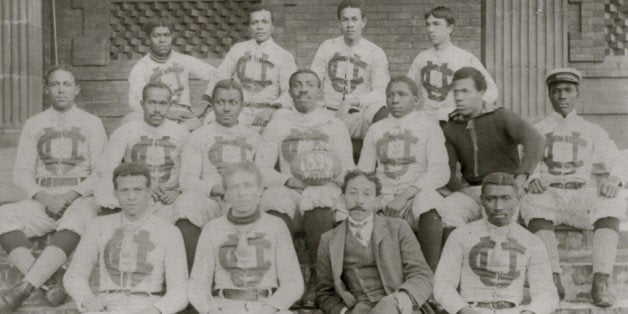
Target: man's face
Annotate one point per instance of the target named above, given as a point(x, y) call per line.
point(156, 106)
point(500, 203)
point(563, 97)
point(243, 192)
point(161, 41)
point(351, 23)
point(305, 92)
point(62, 90)
point(438, 30)
point(468, 98)
point(360, 197)
point(261, 25)
point(400, 100)
point(227, 106)
point(133, 195)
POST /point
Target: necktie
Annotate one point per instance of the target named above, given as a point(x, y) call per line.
point(356, 229)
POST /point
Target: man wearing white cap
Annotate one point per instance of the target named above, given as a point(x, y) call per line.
point(564, 190)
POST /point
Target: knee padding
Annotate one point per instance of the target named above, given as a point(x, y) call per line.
point(607, 222)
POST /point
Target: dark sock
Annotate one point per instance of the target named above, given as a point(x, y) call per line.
point(430, 235)
point(190, 233)
point(66, 240)
point(14, 239)
point(537, 224)
point(446, 232)
point(316, 222)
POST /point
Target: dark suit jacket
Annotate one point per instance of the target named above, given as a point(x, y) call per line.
point(398, 256)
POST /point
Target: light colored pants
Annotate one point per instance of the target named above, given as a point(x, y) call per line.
point(120, 303)
point(458, 209)
point(285, 200)
point(197, 207)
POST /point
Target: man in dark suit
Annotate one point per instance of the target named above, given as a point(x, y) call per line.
point(370, 263)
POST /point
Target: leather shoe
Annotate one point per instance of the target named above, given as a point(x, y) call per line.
point(559, 286)
point(309, 297)
point(13, 298)
point(600, 290)
point(55, 294)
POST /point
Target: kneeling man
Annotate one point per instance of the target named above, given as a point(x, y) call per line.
point(245, 261)
point(138, 254)
point(490, 258)
point(370, 263)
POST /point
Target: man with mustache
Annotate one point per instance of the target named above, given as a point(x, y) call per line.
point(54, 166)
point(370, 263)
point(485, 263)
point(210, 149)
point(163, 64)
point(262, 67)
point(156, 141)
point(245, 261)
point(564, 190)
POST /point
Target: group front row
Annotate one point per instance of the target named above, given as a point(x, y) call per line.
point(239, 217)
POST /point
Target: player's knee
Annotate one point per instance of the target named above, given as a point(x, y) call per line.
point(278, 199)
point(538, 224)
point(607, 222)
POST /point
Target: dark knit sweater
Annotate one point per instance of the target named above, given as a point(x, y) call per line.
point(495, 135)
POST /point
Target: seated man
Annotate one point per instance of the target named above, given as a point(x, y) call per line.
point(54, 167)
point(483, 141)
point(138, 254)
point(407, 151)
point(563, 190)
point(156, 141)
point(370, 263)
point(313, 149)
point(207, 152)
point(245, 261)
point(485, 263)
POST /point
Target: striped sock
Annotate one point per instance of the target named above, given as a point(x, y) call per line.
point(22, 259)
point(46, 265)
point(604, 250)
point(551, 244)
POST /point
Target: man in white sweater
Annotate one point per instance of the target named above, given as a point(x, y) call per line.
point(245, 261)
point(262, 67)
point(433, 69)
point(485, 263)
point(140, 256)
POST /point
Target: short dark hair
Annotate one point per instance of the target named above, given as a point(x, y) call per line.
point(441, 12)
point(128, 169)
point(260, 7)
point(499, 178)
point(60, 67)
point(301, 71)
point(227, 85)
point(371, 176)
point(472, 73)
point(157, 22)
point(350, 4)
point(155, 85)
point(243, 166)
point(406, 80)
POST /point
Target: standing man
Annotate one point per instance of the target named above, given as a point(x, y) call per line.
point(485, 263)
point(563, 189)
point(209, 150)
point(407, 151)
point(354, 74)
point(156, 141)
point(434, 68)
point(370, 263)
point(163, 64)
point(313, 150)
point(139, 255)
point(262, 67)
point(55, 160)
point(245, 262)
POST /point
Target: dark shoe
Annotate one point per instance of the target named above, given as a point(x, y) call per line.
point(309, 297)
point(600, 290)
point(55, 294)
point(13, 298)
point(559, 286)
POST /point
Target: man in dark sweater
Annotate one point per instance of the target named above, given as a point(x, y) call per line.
point(483, 141)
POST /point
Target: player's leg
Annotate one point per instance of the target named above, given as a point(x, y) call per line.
point(282, 202)
point(427, 224)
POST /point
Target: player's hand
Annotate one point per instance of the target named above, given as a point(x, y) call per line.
point(92, 304)
point(520, 181)
point(267, 309)
point(168, 197)
point(70, 196)
point(404, 302)
point(54, 205)
point(468, 310)
point(469, 192)
point(157, 194)
point(536, 186)
point(609, 187)
point(396, 206)
point(149, 310)
point(263, 117)
point(295, 184)
point(217, 191)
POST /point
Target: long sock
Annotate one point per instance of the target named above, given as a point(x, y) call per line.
point(50, 260)
point(190, 233)
point(22, 258)
point(430, 234)
point(551, 244)
point(604, 250)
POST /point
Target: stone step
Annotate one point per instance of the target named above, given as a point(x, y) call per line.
point(577, 279)
point(621, 307)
